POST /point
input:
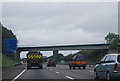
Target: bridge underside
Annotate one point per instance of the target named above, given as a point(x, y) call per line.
point(55, 49)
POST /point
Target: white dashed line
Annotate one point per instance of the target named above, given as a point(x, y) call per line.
point(19, 75)
point(51, 69)
point(91, 71)
point(57, 72)
point(69, 77)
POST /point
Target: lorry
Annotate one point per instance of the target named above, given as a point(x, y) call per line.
point(34, 58)
point(78, 61)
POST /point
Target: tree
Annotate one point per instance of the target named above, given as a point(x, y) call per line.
point(50, 57)
point(68, 57)
point(113, 39)
point(60, 57)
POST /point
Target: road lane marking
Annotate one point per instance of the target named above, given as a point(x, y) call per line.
point(44, 67)
point(51, 69)
point(91, 71)
point(69, 77)
point(19, 75)
point(57, 72)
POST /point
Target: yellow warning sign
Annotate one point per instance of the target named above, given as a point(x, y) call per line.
point(34, 56)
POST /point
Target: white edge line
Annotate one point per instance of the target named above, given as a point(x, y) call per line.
point(70, 77)
point(51, 69)
point(57, 72)
point(91, 71)
point(19, 75)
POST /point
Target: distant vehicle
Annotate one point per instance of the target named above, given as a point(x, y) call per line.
point(108, 68)
point(34, 58)
point(78, 61)
point(51, 62)
point(62, 62)
point(24, 60)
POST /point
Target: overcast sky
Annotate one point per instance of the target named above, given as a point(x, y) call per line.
point(57, 23)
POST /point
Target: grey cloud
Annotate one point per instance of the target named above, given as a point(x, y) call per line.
point(60, 23)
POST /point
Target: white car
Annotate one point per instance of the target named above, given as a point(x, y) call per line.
point(108, 68)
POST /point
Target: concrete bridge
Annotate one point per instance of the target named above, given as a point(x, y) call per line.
point(55, 49)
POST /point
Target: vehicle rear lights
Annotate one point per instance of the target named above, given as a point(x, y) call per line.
point(115, 67)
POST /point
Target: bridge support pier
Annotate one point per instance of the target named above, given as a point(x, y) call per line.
point(17, 55)
point(55, 55)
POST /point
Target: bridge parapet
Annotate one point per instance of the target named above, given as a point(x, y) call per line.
point(66, 47)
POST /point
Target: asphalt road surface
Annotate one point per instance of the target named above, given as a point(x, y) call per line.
point(58, 72)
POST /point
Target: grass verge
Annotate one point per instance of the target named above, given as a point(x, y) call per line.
point(7, 61)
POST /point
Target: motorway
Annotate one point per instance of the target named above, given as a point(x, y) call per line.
point(58, 72)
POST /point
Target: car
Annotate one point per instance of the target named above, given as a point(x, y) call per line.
point(51, 62)
point(78, 61)
point(108, 67)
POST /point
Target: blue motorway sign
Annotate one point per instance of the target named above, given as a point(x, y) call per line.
point(10, 46)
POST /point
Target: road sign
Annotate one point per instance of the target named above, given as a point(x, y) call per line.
point(10, 46)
